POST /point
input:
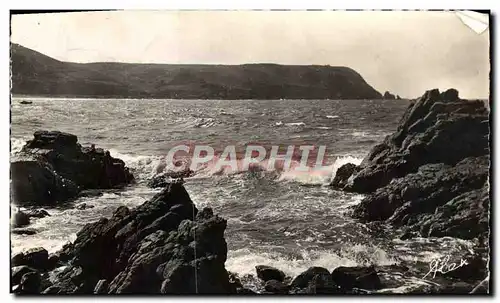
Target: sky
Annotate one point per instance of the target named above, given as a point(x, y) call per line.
point(403, 52)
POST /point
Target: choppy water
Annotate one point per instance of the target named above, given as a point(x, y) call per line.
point(288, 220)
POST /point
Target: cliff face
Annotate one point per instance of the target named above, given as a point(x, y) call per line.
point(36, 74)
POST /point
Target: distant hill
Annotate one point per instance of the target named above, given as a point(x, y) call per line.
point(36, 74)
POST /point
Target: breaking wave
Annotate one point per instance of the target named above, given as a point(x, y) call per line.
point(145, 167)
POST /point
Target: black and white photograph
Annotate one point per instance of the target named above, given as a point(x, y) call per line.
point(250, 152)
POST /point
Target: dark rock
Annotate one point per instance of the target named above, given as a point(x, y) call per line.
point(23, 231)
point(17, 272)
point(20, 219)
point(438, 200)
point(431, 176)
point(389, 96)
point(303, 280)
point(17, 260)
point(450, 95)
point(436, 128)
point(343, 174)
point(37, 213)
point(185, 210)
point(30, 283)
point(322, 284)
point(276, 287)
point(267, 273)
point(161, 180)
point(53, 168)
point(34, 182)
point(53, 261)
point(357, 277)
point(150, 249)
point(36, 258)
point(101, 287)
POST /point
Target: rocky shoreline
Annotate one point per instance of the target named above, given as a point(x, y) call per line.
point(429, 179)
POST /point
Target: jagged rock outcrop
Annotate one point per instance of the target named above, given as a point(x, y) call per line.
point(163, 246)
point(53, 168)
point(431, 176)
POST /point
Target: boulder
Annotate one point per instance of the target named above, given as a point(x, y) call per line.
point(34, 182)
point(54, 167)
point(37, 258)
point(30, 283)
point(17, 272)
point(303, 280)
point(357, 277)
point(266, 273)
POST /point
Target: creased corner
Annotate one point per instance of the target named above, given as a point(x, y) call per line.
point(478, 22)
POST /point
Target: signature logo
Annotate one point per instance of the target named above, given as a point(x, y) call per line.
point(443, 266)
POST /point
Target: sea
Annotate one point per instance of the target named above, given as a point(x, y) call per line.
point(286, 219)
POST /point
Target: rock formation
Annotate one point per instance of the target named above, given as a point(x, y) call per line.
point(53, 168)
point(163, 246)
point(432, 175)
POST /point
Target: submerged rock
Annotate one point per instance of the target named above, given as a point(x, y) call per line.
point(53, 168)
